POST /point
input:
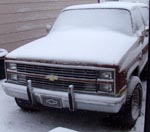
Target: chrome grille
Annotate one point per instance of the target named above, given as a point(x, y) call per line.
point(64, 72)
point(59, 85)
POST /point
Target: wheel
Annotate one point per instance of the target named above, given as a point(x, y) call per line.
point(132, 108)
point(25, 105)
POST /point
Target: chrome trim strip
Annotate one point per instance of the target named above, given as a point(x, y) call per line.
point(61, 65)
point(105, 80)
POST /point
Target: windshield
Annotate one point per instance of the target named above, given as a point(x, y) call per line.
point(103, 19)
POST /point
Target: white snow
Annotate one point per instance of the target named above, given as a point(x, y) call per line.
point(140, 1)
point(3, 52)
point(61, 129)
point(79, 44)
point(12, 119)
point(124, 5)
point(89, 46)
point(96, 19)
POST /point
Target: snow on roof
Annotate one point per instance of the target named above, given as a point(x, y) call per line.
point(116, 5)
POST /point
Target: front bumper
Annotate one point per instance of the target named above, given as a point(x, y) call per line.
point(82, 101)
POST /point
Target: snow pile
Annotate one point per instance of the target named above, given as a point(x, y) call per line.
point(61, 129)
point(3, 52)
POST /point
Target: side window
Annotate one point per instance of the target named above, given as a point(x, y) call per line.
point(137, 20)
point(145, 15)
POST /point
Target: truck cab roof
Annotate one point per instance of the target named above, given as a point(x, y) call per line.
point(107, 5)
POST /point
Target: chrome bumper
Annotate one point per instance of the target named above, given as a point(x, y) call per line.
point(82, 101)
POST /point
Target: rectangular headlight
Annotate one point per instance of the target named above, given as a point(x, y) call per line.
point(106, 75)
point(106, 88)
point(13, 77)
point(16, 78)
point(12, 66)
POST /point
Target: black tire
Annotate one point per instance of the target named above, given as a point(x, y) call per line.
point(25, 105)
point(130, 112)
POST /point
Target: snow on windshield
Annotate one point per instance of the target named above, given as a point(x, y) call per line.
point(104, 19)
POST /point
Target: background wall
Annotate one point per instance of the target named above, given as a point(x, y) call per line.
point(22, 21)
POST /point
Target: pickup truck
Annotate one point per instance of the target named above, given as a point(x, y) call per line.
point(92, 59)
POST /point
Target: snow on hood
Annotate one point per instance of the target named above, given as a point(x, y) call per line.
point(86, 46)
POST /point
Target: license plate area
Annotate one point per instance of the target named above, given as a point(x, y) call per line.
point(52, 102)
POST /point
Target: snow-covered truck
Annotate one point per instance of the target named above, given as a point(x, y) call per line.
point(92, 59)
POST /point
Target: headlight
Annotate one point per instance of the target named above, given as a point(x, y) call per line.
point(106, 88)
point(14, 77)
point(106, 81)
point(106, 75)
point(12, 66)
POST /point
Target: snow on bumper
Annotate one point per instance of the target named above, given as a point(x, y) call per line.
point(82, 101)
point(61, 129)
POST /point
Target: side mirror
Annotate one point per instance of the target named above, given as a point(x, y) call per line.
point(48, 28)
point(141, 36)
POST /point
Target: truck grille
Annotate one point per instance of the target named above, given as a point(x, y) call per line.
point(60, 85)
point(65, 72)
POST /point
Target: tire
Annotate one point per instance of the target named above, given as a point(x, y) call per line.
point(130, 112)
point(25, 105)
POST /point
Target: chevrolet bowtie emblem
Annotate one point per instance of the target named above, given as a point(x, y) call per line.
point(52, 78)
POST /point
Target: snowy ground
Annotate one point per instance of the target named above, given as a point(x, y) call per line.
point(12, 119)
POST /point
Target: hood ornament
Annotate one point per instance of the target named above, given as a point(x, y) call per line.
point(52, 78)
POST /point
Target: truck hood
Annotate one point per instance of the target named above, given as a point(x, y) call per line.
point(86, 46)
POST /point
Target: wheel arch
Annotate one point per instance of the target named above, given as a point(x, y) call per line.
point(133, 82)
point(133, 71)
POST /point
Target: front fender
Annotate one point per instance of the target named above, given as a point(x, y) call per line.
point(134, 80)
point(131, 70)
